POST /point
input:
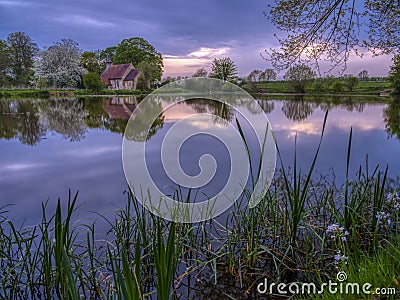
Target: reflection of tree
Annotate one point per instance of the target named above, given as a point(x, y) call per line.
point(297, 110)
point(223, 111)
point(351, 106)
point(20, 119)
point(67, 118)
point(392, 119)
point(267, 106)
point(29, 128)
point(8, 120)
point(140, 132)
point(326, 106)
point(96, 116)
point(216, 108)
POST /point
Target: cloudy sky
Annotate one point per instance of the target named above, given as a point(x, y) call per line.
point(189, 34)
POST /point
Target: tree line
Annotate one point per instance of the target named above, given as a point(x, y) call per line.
point(65, 65)
point(298, 77)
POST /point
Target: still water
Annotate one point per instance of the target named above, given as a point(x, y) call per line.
point(48, 147)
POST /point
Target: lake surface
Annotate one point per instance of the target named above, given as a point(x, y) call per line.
point(50, 146)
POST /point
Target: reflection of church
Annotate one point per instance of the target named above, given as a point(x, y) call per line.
point(120, 107)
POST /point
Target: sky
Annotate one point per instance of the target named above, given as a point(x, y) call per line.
point(189, 34)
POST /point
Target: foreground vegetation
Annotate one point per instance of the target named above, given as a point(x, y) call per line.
point(305, 229)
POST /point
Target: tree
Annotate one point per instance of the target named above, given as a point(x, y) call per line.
point(254, 76)
point(330, 30)
point(108, 53)
point(5, 64)
point(60, 64)
point(223, 68)
point(268, 74)
point(136, 51)
point(201, 72)
point(299, 76)
point(394, 74)
point(149, 74)
point(337, 86)
point(91, 62)
point(351, 82)
point(363, 75)
point(92, 81)
point(22, 51)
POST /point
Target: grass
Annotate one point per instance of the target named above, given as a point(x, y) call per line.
point(33, 93)
point(17, 94)
point(282, 87)
point(371, 88)
point(305, 229)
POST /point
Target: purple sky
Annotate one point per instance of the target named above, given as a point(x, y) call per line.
point(189, 34)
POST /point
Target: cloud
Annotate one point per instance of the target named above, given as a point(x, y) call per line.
point(187, 33)
point(81, 20)
point(208, 53)
point(187, 64)
point(21, 166)
point(11, 3)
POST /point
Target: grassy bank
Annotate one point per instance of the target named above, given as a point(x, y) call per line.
point(371, 88)
point(17, 94)
point(31, 93)
point(305, 229)
point(363, 88)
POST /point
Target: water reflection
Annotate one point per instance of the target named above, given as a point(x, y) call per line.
point(64, 117)
point(392, 119)
point(77, 142)
point(20, 119)
point(30, 121)
point(216, 108)
point(298, 110)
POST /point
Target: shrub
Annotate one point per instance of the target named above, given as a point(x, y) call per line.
point(92, 81)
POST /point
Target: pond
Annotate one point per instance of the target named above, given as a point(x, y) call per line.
point(48, 147)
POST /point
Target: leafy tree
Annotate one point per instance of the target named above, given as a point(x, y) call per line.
point(91, 62)
point(41, 83)
point(201, 72)
point(351, 82)
point(337, 86)
point(92, 81)
point(149, 74)
point(254, 76)
point(60, 64)
point(22, 51)
point(299, 76)
point(268, 75)
point(363, 75)
point(323, 29)
point(394, 74)
point(108, 53)
point(5, 64)
point(136, 51)
point(223, 68)
point(318, 85)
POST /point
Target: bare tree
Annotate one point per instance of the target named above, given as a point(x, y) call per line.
point(315, 30)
